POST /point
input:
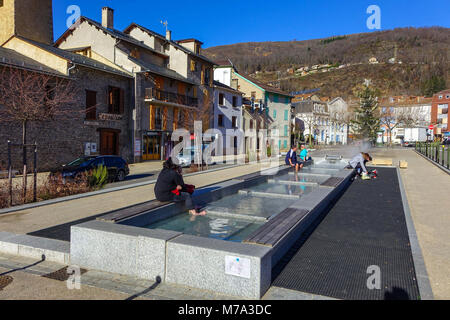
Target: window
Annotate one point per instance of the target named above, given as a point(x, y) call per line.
point(274, 114)
point(135, 53)
point(220, 120)
point(91, 105)
point(234, 122)
point(286, 115)
point(158, 118)
point(206, 76)
point(251, 124)
point(286, 130)
point(285, 144)
point(115, 100)
point(234, 102)
point(221, 99)
point(234, 84)
point(193, 66)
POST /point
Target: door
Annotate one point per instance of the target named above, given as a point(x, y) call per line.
point(152, 148)
point(109, 143)
point(181, 93)
point(159, 84)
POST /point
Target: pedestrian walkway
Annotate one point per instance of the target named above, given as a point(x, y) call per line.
point(427, 189)
point(29, 220)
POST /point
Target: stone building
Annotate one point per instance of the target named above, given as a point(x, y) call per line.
point(28, 18)
point(104, 129)
point(173, 82)
point(106, 91)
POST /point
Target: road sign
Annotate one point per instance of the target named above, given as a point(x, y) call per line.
point(431, 127)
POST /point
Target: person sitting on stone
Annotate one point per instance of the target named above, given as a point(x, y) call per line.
point(291, 158)
point(170, 186)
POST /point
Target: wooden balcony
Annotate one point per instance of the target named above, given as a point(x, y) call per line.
point(152, 94)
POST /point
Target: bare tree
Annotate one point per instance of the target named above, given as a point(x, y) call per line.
point(27, 96)
point(311, 121)
point(392, 118)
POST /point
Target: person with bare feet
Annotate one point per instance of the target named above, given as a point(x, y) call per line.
point(291, 158)
point(170, 186)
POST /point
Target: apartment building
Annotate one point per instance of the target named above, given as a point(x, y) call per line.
point(439, 114)
point(269, 108)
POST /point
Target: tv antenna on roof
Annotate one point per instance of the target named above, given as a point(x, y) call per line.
point(165, 23)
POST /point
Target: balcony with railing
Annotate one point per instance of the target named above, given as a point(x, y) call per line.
point(153, 94)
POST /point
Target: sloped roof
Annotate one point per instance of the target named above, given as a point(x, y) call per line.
point(10, 57)
point(165, 72)
point(77, 58)
point(224, 86)
point(264, 86)
point(174, 43)
point(112, 32)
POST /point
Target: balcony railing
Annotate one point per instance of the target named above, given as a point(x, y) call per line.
point(152, 93)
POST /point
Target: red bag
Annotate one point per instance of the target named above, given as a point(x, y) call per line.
point(190, 188)
point(176, 192)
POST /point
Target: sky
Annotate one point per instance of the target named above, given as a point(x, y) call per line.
point(227, 22)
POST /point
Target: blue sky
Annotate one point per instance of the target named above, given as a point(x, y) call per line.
point(226, 22)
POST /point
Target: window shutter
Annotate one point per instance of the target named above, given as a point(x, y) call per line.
point(122, 101)
point(109, 98)
point(203, 75)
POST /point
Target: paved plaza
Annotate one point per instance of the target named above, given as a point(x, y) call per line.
point(425, 185)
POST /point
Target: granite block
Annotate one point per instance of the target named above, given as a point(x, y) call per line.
point(200, 263)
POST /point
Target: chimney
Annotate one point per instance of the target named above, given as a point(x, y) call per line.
point(108, 18)
point(168, 35)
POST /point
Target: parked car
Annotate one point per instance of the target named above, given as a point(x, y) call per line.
point(189, 158)
point(117, 167)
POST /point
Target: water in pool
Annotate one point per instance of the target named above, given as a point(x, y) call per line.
point(283, 189)
point(302, 178)
point(234, 230)
point(248, 205)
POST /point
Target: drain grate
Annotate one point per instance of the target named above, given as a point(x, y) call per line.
point(5, 281)
point(332, 182)
point(61, 274)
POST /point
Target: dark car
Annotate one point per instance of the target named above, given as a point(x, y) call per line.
point(117, 167)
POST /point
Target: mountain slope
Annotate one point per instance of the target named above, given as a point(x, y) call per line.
point(423, 52)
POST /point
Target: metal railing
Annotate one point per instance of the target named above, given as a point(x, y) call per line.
point(152, 93)
point(435, 151)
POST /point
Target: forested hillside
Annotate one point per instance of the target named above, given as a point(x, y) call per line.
point(408, 61)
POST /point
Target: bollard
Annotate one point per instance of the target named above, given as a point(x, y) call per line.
point(448, 157)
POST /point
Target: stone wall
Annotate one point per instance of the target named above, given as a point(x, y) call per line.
point(62, 140)
point(28, 18)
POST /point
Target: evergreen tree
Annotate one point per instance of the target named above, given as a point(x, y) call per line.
point(433, 85)
point(367, 122)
